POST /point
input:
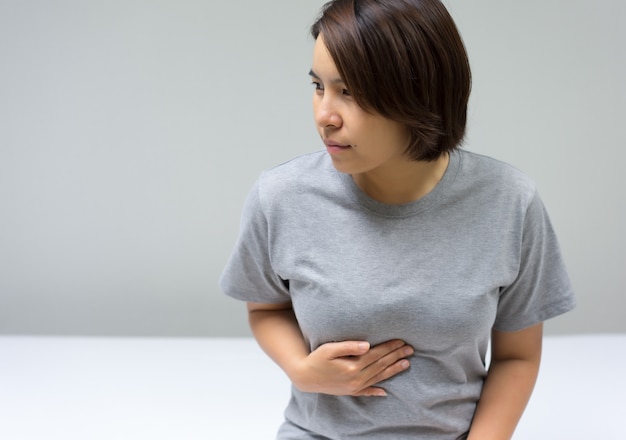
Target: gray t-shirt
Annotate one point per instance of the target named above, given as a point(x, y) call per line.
point(478, 252)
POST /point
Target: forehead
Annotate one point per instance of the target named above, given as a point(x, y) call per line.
point(323, 65)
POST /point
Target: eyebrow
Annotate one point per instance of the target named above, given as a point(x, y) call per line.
point(337, 80)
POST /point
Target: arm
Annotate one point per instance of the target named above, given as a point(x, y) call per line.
point(515, 358)
point(339, 368)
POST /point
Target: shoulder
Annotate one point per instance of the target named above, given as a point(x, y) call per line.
point(280, 190)
point(492, 177)
point(301, 183)
point(490, 169)
point(295, 175)
point(293, 168)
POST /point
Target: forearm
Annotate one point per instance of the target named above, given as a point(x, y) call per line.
point(278, 334)
point(338, 368)
point(505, 394)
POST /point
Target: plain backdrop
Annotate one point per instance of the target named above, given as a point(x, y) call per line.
point(131, 132)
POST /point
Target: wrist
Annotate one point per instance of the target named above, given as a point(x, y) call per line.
point(297, 372)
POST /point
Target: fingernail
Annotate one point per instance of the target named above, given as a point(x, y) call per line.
point(408, 351)
point(404, 363)
point(364, 346)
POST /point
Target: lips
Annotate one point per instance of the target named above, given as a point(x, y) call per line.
point(334, 144)
point(335, 148)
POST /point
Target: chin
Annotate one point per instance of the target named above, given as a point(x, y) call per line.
point(342, 167)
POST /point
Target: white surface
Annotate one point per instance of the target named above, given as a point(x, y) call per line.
point(108, 388)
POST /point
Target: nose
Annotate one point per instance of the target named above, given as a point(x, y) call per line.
point(326, 113)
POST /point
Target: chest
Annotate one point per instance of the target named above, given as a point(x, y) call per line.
point(374, 278)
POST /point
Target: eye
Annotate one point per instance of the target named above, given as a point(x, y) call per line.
point(318, 86)
point(346, 92)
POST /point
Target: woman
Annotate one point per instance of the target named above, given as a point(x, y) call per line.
point(377, 271)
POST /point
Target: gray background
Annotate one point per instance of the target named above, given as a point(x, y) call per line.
point(131, 131)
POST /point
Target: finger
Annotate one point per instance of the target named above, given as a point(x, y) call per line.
point(382, 350)
point(371, 392)
point(335, 350)
point(387, 366)
point(378, 375)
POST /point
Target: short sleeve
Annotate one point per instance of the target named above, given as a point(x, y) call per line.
point(542, 289)
point(248, 275)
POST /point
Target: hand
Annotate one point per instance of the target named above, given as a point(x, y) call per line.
point(351, 368)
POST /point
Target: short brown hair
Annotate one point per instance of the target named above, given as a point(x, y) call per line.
point(405, 60)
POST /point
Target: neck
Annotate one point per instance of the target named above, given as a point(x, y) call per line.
point(405, 183)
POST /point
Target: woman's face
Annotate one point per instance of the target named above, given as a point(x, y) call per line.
point(357, 141)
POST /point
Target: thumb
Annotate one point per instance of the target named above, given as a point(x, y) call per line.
point(346, 348)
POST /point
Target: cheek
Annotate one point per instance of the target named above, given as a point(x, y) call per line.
point(398, 136)
point(380, 136)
